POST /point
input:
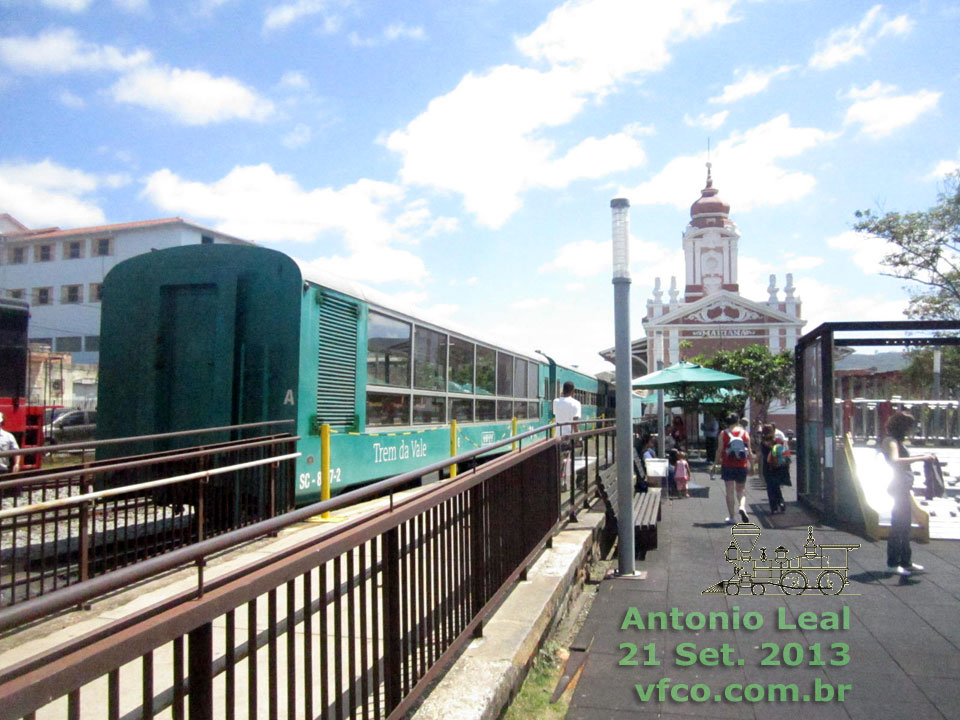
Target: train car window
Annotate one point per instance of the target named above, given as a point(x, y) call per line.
point(486, 410)
point(429, 360)
point(504, 374)
point(519, 378)
point(429, 410)
point(520, 410)
point(504, 409)
point(388, 409)
point(461, 367)
point(461, 409)
point(533, 379)
point(388, 351)
point(533, 410)
point(486, 371)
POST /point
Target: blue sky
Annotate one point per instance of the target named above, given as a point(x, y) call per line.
point(462, 155)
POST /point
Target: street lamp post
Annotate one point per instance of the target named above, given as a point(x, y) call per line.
point(621, 317)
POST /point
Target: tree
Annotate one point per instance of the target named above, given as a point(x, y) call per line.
point(917, 377)
point(766, 376)
point(925, 250)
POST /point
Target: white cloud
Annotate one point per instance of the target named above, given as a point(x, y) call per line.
point(589, 258)
point(847, 43)
point(294, 79)
point(826, 303)
point(191, 97)
point(465, 143)
point(298, 137)
point(133, 6)
point(46, 193)
point(944, 167)
point(708, 122)
point(865, 250)
point(745, 169)
point(62, 51)
point(750, 82)
point(391, 33)
point(282, 16)
point(527, 304)
point(72, 100)
point(258, 203)
point(68, 5)
point(797, 263)
point(879, 111)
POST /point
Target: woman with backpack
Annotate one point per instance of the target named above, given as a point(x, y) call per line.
point(775, 465)
point(733, 457)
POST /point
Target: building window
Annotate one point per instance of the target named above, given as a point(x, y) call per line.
point(43, 253)
point(71, 294)
point(16, 294)
point(47, 342)
point(68, 344)
point(73, 250)
point(103, 247)
point(206, 240)
point(43, 296)
point(91, 343)
point(18, 255)
point(96, 292)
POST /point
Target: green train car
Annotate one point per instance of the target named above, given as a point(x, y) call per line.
point(206, 336)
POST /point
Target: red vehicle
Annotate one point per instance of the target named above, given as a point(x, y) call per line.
point(24, 421)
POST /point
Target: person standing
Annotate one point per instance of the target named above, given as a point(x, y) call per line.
point(775, 467)
point(566, 409)
point(682, 475)
point(733, 457)
point(710, 428)
point(899, 555)
point(8, 442)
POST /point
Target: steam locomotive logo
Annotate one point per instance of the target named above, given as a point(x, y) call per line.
point(821, 568)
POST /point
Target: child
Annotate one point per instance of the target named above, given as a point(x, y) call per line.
point(682, 474)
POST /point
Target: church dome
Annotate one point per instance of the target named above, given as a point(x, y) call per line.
point(709, 210)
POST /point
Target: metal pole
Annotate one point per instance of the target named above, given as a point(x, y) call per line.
point(624, 448)
point(936, 373)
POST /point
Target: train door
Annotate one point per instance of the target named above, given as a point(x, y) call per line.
point(195, 336)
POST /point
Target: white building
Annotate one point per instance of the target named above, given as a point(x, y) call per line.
point(60, 273)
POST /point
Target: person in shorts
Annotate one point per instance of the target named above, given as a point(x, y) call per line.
point(734, 457)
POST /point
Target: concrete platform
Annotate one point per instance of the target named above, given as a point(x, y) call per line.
point(898, 658)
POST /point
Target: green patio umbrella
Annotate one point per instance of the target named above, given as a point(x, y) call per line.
point(684, 375)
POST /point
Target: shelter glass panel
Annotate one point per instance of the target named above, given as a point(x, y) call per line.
point(486, 410)
point(429, 410)
point(429, 360)
point(388, 409)
point(461, 409)
point(388, 351)
point(486, 371)
point(461, 366)
point(813, 421)
point(504, 374)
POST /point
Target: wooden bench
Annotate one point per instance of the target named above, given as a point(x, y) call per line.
point(645, 513)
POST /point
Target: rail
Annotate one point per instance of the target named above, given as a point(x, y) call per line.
point(354, 623)
point(938, 421)
point(62, 528)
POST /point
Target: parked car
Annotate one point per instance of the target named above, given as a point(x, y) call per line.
point(71, 426)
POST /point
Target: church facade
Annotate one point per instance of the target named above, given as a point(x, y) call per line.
point(710, 314)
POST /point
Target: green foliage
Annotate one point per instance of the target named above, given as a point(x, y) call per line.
point(925, 249)
point(917, 378)
point(766, 376)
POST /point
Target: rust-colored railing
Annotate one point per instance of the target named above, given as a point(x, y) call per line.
point(355, 623)
point(65, 527)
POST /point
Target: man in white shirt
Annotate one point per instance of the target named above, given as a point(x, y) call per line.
point(8, 442)
point(566, 409)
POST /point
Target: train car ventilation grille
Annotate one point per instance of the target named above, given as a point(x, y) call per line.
point(336, 381)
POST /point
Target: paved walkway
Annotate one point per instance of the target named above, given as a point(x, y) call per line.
point(903, 639)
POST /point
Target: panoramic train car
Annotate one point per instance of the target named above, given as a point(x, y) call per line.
point(207, 336)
